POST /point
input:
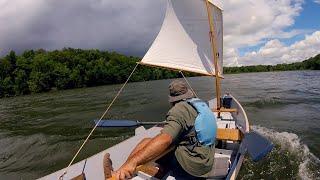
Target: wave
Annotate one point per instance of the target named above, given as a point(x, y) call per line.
point(269, 101)
point(308, 163)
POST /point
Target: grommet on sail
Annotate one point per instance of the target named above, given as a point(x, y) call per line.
point(183, 42)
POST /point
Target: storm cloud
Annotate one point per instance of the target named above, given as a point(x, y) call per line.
point(130, 26)
point(116, 25)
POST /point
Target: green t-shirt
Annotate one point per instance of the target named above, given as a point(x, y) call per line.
point(198, 161)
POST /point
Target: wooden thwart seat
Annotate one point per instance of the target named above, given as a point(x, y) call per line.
point(222, 134)
point(225, 110)
point(229, 134)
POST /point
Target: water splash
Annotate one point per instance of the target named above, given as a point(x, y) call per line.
point(289, 159)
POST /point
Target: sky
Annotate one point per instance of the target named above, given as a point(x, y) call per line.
point(255, 31)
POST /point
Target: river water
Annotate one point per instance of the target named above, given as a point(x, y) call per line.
point(40, 133)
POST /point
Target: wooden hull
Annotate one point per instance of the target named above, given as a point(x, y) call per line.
point(228, 160)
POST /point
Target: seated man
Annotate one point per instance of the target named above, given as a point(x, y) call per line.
point(190, 159)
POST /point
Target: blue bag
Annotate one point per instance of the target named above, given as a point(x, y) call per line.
point(205, 124)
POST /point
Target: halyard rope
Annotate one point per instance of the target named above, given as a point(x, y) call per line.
point(188, 84)
point(103, 115)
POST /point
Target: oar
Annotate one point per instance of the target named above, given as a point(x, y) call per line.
point(256, 145)
point(124, 123)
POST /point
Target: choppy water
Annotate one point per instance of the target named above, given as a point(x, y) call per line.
point(40, 133)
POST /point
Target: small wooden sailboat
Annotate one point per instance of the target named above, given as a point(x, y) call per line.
point(228, 158)
point(191, 39)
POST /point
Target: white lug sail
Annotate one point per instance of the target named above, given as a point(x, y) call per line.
point(183, 42)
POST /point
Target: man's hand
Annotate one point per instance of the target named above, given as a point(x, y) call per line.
point(151, 149)
point(126, 171)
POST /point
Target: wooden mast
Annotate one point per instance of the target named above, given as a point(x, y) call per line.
point(215, 56)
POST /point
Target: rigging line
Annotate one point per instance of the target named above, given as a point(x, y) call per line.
point(84, 166)
point(103, 115)
point(188, 84)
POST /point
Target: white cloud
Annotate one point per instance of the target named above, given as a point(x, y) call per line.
point(247, 23)
point(251, 23)
point(274, 51)
point(230, 57)
point(317, 1)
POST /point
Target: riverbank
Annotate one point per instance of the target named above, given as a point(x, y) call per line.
point(312, 63)
point(42, 71)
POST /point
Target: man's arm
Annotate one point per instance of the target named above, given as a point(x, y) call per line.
point(154, 148)
point(140, 146)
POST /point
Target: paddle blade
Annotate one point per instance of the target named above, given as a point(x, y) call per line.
point(257, 145)
point(116, 123)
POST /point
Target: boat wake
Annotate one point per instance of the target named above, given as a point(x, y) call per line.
point(290, 159)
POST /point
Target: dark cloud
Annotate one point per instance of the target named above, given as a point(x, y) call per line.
point(125, 26)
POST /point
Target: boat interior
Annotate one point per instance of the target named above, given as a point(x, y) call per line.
point(231, 127)
point(227, 146)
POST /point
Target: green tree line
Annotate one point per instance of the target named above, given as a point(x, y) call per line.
point(309, 64)
point(36, 71)
point(41, 71)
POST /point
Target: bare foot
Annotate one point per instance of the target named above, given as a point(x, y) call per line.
point(107, 166)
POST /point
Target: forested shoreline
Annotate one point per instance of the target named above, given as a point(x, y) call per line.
point(36, 71)
point(41, 71)
point(312, 63)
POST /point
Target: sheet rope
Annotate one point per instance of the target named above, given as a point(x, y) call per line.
point(184, 77)
point(96, 125)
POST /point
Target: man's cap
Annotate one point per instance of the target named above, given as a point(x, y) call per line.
point(178, 91)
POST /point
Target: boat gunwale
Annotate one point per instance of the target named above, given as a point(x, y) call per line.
point(235, 170)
